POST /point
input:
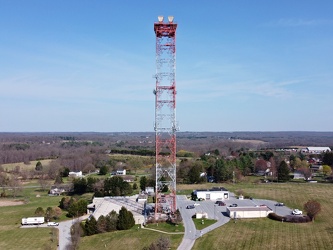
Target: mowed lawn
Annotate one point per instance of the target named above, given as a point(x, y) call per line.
point(14, 237)
point(129, 239)
point(268, 234)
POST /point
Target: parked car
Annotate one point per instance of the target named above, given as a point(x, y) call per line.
point(196, 204)
point(220, 203)
point(52, 224)
point(233, 205)
point(279, 204)
point(296, 212)
point(189, 206)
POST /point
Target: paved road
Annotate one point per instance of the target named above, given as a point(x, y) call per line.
point(65, 232)
point(191, 233)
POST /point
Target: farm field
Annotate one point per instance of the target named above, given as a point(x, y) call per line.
point(23, 166)
point(269, 234)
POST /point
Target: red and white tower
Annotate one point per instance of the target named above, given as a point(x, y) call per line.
point(165, 116)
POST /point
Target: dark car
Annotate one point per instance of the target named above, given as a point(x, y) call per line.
point(190, 206)
point(233, 205)
point(220, 203)
point(279, 204)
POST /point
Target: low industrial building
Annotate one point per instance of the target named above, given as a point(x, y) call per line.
point(316, 150)
point(104, 205)
point(248, 212)
point(216, 193)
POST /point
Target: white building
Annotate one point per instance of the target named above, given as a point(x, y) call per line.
point(75, 174)
point(215, 193)
point(149, 190)
point(121, 172)
point(248, 212)
point(317, 150)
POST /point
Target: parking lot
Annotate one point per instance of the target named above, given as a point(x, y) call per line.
point(215, 211)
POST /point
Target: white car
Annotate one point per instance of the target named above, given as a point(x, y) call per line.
point(296, 212)
point(196, 204)
point(53, 224)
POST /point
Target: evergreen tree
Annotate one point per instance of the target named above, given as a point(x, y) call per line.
point(101, 224)
point(283, 172)
point(39, 166)
point(77, 208)
point(39, 211)
point(111, 221)
point(143, 183)
point(194, 174)
point(125, 219)
point(65, 172)
point(90, 183)
point(103, 170)
point(90, 227)
point(126, 189)
point(328, 158)
point(79, 185)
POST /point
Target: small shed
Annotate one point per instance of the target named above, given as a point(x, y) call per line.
point(201, 216)
point(149, 190)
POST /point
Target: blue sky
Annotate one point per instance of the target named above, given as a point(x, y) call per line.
point(241, 65)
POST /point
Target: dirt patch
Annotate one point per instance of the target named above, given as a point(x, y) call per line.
point(5, 203)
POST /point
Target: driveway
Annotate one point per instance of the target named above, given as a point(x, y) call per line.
point(191, 233)
point(65, 231)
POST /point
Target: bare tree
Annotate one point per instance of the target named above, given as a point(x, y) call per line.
point(312, 208)
point(3, 183)
point(260, 165)
point(306, 171)
point(57, 212)
point(15, 184)
point(43, 182)
point(89, 168)
point(162, 243)
point(54, 169)
point(135, 163)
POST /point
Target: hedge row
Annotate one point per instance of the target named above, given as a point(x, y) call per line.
point(290, 218)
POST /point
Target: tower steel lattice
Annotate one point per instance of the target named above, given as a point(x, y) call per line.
point(165, 116)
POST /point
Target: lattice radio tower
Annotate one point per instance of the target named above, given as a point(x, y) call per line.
point(165, 116)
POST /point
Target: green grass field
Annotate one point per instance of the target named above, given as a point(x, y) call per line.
point(266, 233)
point(14, 237)
point(203, 223)
point(129, 239)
